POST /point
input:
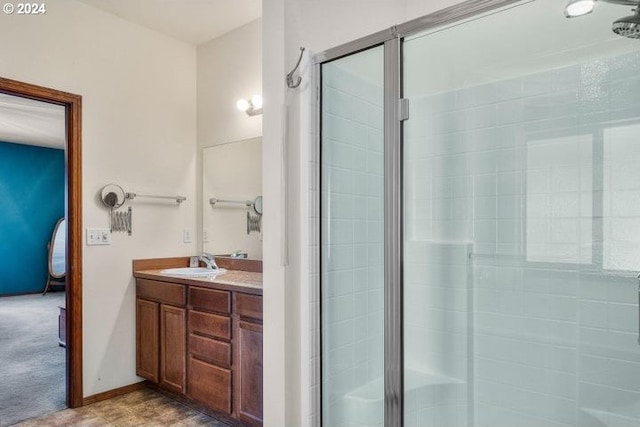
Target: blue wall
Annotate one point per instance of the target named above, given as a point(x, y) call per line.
point(31, 202)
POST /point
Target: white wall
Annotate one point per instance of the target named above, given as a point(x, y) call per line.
point(229, 68)
point(287, 25)
point(274, 296)
point(139, 131)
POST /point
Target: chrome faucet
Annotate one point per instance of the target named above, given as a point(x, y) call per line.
point(209, 260)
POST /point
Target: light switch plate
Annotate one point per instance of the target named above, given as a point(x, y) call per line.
point(98, 236)
point(186, 235)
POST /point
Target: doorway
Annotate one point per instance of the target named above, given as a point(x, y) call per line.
point(73, 212)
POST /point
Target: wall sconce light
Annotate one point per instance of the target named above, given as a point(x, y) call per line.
point(252, 107)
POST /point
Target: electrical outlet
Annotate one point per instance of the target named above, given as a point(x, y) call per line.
point(98, 236)
point(186, 235)
point(205, 236)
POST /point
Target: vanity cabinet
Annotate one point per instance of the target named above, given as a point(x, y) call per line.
point(203, 343)
point(160, 333)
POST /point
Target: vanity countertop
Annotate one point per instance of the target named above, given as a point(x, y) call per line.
point(232, 280)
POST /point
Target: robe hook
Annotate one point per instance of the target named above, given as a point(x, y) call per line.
point(290, 80)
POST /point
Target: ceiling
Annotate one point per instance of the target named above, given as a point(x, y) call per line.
point(26, 121)
point(192, 21)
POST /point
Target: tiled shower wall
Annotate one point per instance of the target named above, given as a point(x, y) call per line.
point(351, 196)
point(541, 174)
point(437, 347)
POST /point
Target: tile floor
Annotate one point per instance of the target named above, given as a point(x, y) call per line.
point(139, 408)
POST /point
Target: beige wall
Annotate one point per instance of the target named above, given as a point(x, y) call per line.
point(289, 24)
point(139, 130)
point(228, 68)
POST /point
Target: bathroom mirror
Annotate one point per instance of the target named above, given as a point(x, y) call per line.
point(57, 255)
point(232, 174)
point(112, 196)
point(57, 251)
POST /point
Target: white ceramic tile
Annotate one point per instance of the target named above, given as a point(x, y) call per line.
point(483, 162)
point(484, 208)
point(338, 130)
point(536, 84)
point(337, 283)
point(485, 185)
point(509, 112)
point(483, 117)
point(593, 314)
point(339, 309)
point(623, 317)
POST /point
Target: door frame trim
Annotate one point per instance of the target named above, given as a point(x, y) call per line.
point(73, 213)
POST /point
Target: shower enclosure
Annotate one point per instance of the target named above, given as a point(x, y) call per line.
point(480, 221)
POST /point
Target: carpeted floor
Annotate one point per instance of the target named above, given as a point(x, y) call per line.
point(32, 364)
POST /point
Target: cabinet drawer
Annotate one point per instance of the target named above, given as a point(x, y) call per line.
point(209, 299)
point(210, 350)
point(210, 325)
point(167, 293)
point(210, 385)
point(248, 305)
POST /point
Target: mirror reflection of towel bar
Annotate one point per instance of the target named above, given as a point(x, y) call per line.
point(247, 203)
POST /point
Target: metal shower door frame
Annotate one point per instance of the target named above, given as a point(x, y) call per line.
point(393, 39)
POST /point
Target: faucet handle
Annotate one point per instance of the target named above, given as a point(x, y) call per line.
point(211, 260)
point(239, 254)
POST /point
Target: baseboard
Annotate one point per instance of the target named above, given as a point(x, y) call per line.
point(113, 393)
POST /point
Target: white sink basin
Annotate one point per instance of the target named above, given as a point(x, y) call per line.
point(192, 271)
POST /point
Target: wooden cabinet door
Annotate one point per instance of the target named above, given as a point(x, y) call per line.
point(248, 382)
point(147, 339)
point(173, 347)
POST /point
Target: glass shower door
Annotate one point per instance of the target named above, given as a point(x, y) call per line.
point(352, 224)
point(522, 221)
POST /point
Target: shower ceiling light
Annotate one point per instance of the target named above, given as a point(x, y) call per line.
point(252, 107)
point(578, 8)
